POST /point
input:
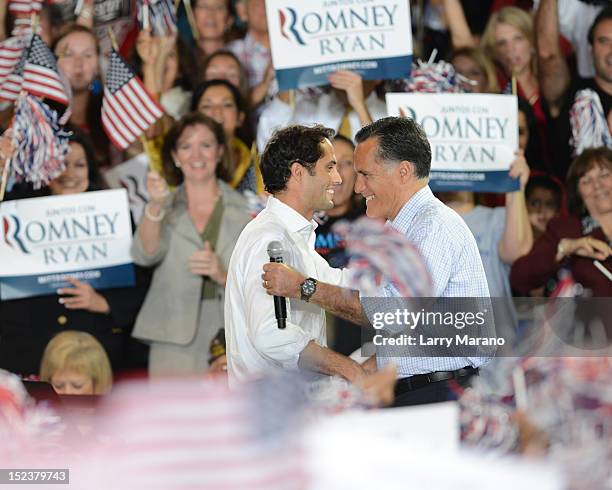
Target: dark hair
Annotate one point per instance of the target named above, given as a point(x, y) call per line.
point(592, 157)
point(544, 182)
point(244, 81)
point(348, 141)
point(204, 86)
point(605, 14)
point(243, 132)
point(187, 71)
point(172, 174)
point(25, 190)
point(399, 138)
point(294, 143)
point(96, 181)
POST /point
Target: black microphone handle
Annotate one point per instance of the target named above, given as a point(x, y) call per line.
point(280, 303)
point(280, 310)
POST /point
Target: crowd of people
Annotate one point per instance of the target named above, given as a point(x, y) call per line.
point(218, 145)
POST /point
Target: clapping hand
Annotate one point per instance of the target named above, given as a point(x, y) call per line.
point(206, 262)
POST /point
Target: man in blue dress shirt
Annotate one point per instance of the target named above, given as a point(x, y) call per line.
point(393, 161)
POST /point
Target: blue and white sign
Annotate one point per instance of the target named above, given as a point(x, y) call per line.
point(312, 39)
point(44, 240)
point(473, 138)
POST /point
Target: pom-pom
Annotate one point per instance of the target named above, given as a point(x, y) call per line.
point(40, 144)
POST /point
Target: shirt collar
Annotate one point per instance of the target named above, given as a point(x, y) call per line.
point(293, 220)
point(409, 210)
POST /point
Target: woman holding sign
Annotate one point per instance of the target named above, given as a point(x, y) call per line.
point(188, 235)
point(27, 325)
point(509, 40)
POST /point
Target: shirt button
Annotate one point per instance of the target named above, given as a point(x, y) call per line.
point(62, 320)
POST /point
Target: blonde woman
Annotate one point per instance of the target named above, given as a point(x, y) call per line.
point(473, 64)
point(508, 40)
point(75, 363)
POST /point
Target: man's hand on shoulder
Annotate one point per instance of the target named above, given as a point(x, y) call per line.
point(282, 280)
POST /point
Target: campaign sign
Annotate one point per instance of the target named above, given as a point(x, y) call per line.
point(473, 138)
point(312, 39)
point(132, 176)
point(44, 240)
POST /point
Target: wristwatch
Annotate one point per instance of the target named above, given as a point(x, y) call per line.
point(308, 288)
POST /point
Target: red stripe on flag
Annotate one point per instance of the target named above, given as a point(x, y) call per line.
point(130, 130)
point(112, 131)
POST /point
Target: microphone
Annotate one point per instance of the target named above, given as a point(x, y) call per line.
point(275, 252)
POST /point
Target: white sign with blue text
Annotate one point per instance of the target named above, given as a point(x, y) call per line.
point(312, 39)
point(46, 239)
point(473, 137)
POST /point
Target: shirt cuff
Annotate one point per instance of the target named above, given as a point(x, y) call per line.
point(283, 346)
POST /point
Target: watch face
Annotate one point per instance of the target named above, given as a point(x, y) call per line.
point(308, 287)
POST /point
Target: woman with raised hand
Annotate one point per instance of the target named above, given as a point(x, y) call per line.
point(188, 235)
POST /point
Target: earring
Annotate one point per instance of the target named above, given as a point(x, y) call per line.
point(177, 164)
point(95, 87)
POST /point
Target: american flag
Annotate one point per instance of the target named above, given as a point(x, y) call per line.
point(10, 87)
point(24, 6)
point(36, 72)
point(127, 108)
point(191, 433)
point(11, 51)
point(40, 73)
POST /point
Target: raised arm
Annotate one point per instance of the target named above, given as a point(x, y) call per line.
point(150, 228)
point(461, 36)
point(352, 84)
point(517, 239)
point(554, 72)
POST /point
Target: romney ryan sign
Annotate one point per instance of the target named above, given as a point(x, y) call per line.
point(312, 39)
point(473, 137)
point(44, 240)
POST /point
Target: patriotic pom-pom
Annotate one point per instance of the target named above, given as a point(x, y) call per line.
point(157, 15)
point(40, 144)
point(588, 122)
point(379, 255)
point(434, 77)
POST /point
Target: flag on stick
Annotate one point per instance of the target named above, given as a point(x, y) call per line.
point(157, 15)
point(35, 72)
point(40, 74)
point(127, 108)
point(24, 7)
point(11, 51)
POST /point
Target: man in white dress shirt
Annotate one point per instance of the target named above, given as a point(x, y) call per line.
point(299, 170)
